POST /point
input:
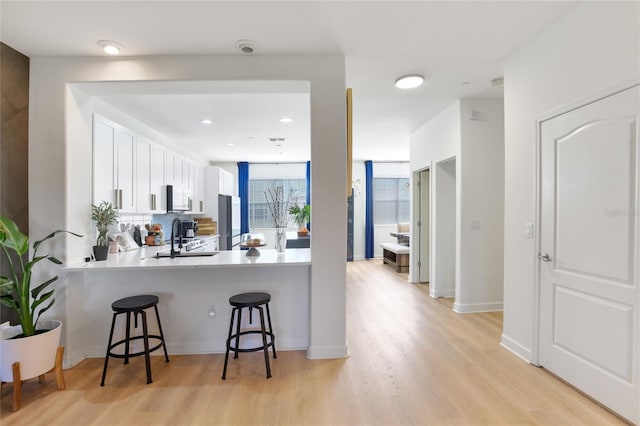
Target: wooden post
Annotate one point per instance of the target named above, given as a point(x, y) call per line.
point(17, 386)
point(58, 368)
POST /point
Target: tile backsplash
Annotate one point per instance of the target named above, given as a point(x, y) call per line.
point(129, 222)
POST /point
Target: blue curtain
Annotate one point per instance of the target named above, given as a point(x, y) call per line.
point(368, 212)
point(308, 200)
point(243, 192)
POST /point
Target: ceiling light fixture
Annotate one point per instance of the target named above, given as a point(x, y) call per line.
point(110, 47)
point(286, 120)
point(206, 121)
point(409, 81)
point(230, 144)
point(246, 46)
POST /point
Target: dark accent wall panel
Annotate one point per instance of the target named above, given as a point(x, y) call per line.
point(14, 142)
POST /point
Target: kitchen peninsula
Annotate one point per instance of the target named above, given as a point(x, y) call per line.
point(194, 294)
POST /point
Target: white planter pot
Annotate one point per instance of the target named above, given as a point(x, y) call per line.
point(36, 354)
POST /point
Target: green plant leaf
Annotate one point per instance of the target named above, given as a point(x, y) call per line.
point(37, 290)
point(43, 310)
point(41, 300)
point(11, 237)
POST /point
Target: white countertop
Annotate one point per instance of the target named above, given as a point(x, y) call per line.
point(143, 259)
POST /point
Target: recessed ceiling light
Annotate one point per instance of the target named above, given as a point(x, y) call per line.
point(230, 144)
point(286, 120)
point(110, 47)
point(206, 121)
point(465, 83)
point(409, 81)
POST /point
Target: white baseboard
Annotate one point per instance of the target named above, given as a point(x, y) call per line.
point(328, 352)
point(470, 308)
point(516, 348)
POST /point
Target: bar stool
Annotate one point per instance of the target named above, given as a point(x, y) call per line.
point(137, 306)
point(251, 301)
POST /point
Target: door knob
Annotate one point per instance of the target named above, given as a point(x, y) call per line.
point(544, 257)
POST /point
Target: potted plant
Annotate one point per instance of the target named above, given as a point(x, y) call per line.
point(104, 216)
point(29, 349)
point(301, 216)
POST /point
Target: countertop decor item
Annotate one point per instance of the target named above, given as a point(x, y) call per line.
point(301, 216)
point(252, 242)
point(104, 215)
point(279, 208)
point(29, 349)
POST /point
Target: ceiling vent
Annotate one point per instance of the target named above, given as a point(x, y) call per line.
point(277, 140)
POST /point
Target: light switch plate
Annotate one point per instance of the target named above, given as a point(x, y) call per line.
point(528, 230)
point(475, 224)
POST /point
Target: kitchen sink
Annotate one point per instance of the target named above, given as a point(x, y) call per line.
point(187, 254)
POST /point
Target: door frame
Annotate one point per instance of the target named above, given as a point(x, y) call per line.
point(563, 109)
point(416, 240)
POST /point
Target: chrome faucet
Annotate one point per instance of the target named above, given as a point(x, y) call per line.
point(173, 226)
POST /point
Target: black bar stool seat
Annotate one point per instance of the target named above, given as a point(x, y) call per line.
point(137, 306)
point(251, 301)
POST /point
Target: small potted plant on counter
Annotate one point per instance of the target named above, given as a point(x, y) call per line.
point(31, 348)
point(104, 215)
point(301, 216)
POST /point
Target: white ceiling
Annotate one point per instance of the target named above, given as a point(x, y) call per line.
point(449, 42)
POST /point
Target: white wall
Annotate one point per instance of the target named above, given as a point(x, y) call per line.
point(477, 145)
point(60, 158)
point(592, 48)
point(482, 202)
point(359, 198)
point(436, 140)
point(446, 275)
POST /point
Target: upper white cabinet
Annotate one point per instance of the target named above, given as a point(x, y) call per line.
point(132, 172)
point(150, 169)
point(114, 164)
point(157, 178)
point(219, 181)
point(216, 181)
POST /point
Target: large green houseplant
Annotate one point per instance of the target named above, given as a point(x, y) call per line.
point(104, 215)
point(16, 291)
point(301, 216)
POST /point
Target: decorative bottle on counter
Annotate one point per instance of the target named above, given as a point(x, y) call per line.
point(281, 239)
point(158, 235)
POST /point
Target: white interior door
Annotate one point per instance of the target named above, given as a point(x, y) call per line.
point(589, 265)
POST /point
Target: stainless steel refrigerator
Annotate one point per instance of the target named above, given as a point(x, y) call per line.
point(228, 221)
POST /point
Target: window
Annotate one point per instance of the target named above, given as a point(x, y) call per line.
point(390, 201)
point(259, 214)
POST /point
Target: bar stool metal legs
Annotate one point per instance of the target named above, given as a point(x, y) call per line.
point(135, 305)
point(251, 301)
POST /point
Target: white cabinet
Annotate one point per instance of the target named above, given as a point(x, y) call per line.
point(216, 181)
point(157, 178)
point(132, 172)
point(114, 153)
point(198, 188)
point(150, 169)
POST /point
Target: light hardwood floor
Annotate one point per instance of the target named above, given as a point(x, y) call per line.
point(413, 362)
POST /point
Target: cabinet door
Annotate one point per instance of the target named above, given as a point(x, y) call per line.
point(227, 183)
point(126, 170)
point(144, 202)
point(104, 166)
point(157, 178)
point(170, 175)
